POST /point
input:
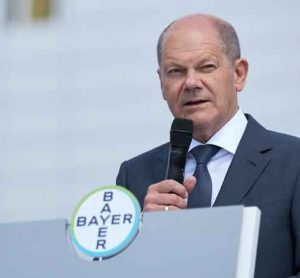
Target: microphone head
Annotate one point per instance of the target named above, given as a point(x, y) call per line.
point(181, 133)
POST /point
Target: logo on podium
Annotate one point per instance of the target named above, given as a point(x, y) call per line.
point(105, 222)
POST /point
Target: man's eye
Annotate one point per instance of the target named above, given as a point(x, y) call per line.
point(208, 67)
point(175, 71)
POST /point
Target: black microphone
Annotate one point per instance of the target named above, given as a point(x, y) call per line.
point(180, 138)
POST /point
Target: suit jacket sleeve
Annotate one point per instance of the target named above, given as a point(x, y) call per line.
point(121, 178)
point(295, 214)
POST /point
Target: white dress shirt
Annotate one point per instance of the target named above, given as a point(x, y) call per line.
point(227, 138)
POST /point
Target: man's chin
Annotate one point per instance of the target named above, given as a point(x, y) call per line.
point(200, 121)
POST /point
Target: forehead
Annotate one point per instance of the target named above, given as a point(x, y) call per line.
point(189, 38)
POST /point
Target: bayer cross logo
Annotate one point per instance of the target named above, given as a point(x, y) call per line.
point(105, 222)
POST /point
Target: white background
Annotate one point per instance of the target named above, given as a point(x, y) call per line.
point(80, 94)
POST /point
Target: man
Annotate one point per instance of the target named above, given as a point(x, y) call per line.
point(201, 73)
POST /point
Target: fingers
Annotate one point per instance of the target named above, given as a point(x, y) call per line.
point(189, 184)
point(167, 192)
point(161, 208)
point(158, 201)
point(168, 186)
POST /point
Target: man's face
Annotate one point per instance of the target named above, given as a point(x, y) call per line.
point(198, 81)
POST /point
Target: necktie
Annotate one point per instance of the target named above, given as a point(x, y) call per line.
point(201, 195)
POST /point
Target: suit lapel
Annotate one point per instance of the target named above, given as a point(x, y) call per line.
point(248, 164)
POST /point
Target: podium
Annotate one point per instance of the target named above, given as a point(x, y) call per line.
point(213, 242)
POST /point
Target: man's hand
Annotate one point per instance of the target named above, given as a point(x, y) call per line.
point(168, 193)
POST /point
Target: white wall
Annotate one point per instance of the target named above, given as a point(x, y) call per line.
point(80, 95)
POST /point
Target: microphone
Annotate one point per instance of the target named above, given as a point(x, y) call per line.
point(180, 138)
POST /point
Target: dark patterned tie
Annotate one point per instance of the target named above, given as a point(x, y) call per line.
point(201, 195)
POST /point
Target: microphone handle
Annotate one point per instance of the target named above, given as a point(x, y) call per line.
point(176, 164)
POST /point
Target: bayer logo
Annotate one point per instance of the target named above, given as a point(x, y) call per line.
point(105, 222)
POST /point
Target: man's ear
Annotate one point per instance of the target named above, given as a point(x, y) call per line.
point(161, 83)
point(241, 72)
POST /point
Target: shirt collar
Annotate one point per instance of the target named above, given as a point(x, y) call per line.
point(229, 136)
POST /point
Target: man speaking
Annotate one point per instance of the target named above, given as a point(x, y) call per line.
point(232, 159)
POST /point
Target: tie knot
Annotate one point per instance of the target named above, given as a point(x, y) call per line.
point(203, 153)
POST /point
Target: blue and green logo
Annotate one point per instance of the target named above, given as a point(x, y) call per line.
point(105, 222)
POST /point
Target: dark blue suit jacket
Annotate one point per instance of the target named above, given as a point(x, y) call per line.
point(265, 172)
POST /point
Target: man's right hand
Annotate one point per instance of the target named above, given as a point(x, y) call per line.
point(168, 193)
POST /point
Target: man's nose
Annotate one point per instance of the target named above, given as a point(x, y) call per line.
point(192, 81)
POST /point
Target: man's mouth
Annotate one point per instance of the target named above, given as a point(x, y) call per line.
point(195, 102)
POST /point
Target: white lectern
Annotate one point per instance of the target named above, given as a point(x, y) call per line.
point(213, 242)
